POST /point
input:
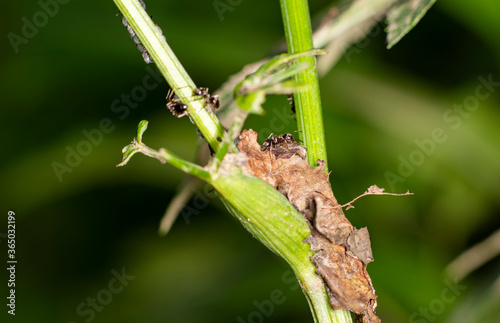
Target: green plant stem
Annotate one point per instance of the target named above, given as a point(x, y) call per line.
point(165, 156)
point(171, 69)
point(298, 33)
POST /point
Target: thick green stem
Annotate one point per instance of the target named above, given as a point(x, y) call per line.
point(171, 69)
point(298, 34)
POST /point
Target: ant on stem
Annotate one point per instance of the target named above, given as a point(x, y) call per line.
point(273, 141)
point(211, 101)
point(178, 109)
point(175, 106)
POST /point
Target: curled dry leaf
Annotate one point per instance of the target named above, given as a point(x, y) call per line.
point(342, 250)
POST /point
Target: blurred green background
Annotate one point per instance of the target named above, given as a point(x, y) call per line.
point(77, 231)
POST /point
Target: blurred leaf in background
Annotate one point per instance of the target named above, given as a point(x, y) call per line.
point(407, 118)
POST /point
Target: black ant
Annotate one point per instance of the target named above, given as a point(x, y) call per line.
point(273, 141)
point(212, 101)
point(175, 105)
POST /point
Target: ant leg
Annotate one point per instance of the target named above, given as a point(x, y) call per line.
point(170, 94)
point(272, 143)
point(298, 140)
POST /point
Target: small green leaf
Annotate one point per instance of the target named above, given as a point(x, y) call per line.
point(403, 17)
point(143, 125)
point(273, 77)
point(128, 151)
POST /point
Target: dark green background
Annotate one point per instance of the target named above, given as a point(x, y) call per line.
point(72, 233)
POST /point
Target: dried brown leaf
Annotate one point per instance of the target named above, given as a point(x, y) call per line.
point(342, 250)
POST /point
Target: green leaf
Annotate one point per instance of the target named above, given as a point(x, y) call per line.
point(403, 17)
point(141, 128)
point(273, 77)
point(128, 151)
point(134, 147)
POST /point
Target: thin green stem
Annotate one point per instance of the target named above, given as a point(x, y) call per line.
point(171, 69)
point(165, 156)
point(298, 35)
